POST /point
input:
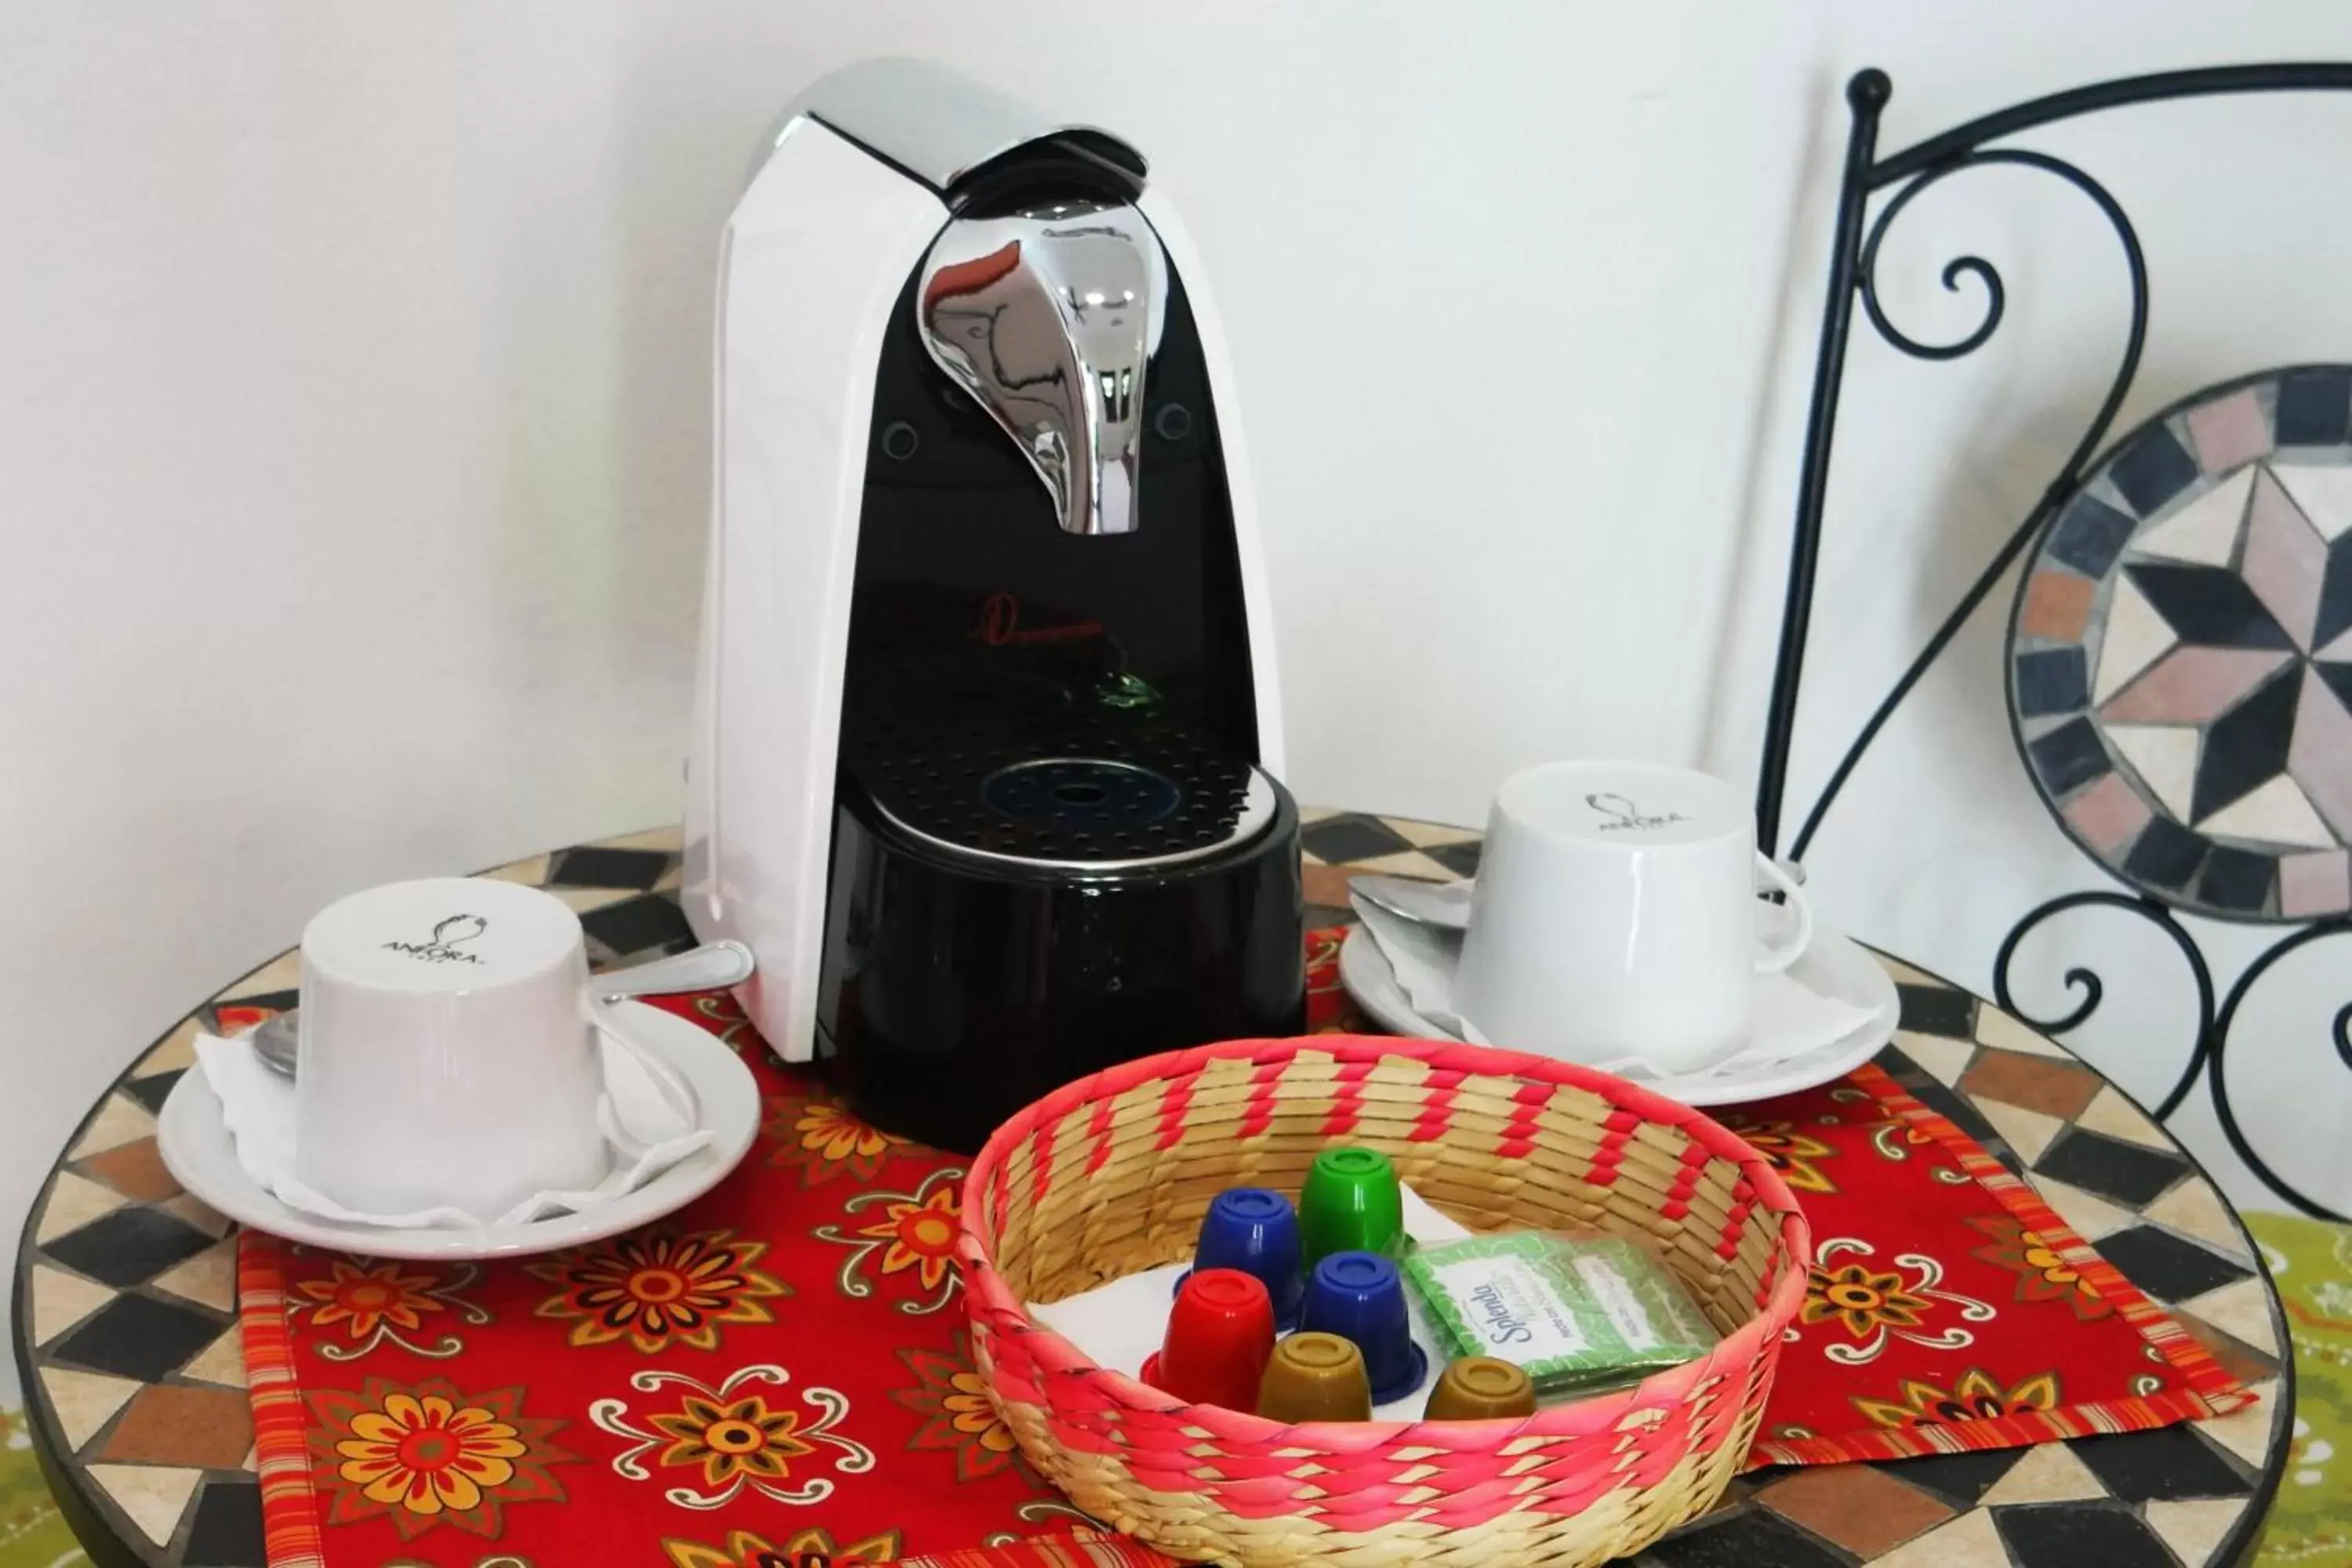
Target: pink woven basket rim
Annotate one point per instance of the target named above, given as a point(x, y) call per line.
point(987, 1298)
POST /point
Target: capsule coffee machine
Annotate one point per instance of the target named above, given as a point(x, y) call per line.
point(986, 723)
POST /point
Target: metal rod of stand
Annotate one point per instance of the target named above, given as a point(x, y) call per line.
point(1867, 94)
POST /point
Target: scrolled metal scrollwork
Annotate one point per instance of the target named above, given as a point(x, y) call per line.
point(1874, 191)
point(1996, 305)
point(2209, 1051)
point(2094, 991)
point(1977, 267)
point(1996, 293)
point(2217, 1056)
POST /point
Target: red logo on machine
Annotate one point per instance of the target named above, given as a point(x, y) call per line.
point(1000, 625)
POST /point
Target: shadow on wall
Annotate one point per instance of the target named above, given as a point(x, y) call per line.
point(1739, 680)
point(605, 449)
point(1941, 842)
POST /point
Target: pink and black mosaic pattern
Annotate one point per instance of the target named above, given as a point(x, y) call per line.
point(2180, 655)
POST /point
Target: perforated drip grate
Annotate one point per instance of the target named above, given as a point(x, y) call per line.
point(1136, 800)
point(1076, 794)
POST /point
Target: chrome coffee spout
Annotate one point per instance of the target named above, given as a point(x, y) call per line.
point(1048, 319)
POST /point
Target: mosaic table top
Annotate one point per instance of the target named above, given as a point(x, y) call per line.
point(2181, 656)
point(125, 1335)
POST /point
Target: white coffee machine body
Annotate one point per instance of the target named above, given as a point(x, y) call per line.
point(816, 258)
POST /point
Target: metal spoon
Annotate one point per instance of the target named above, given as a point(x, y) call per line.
point(705, 968)
point(1445, 906)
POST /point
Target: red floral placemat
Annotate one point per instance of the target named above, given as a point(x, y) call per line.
point(776, 1377)
point(779, 1376)
point(1081, 1548)
point(1949, 1308)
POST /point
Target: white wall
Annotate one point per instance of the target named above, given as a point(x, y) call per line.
point(353, 383)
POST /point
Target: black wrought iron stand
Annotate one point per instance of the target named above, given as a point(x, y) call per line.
point(1853, 263)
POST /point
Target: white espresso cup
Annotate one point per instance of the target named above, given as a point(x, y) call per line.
point(1616, 915)
point(450, 1051)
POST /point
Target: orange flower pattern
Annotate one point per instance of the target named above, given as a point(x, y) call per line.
point(1895, 1136)
point(1328, 1007)
point(1794, 1154)
point(916, 1234)
point(952, 1398)
point(732, 1438)
point(2042, 1272)
point(822, 1140)
point(656, 1288)
point(1877, 1307)
point(726, 1019)
point(1052, 1514)
point(745, 1439)
point(429, 1456)
point(368, 1304)
point(1977, 1395)
point(744, 1549)
point(1864, 1300)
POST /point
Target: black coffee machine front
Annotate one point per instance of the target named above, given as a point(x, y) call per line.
point(1054, 843)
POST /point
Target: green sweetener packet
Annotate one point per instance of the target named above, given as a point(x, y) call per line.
point(1574, 1312)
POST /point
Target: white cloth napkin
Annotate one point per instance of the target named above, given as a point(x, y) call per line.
point(257, 1107)
point(1422, 957)
point(1118, 1325)
point(1792, 1019)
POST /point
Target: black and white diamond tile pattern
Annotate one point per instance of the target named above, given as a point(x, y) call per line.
point(125, 1327)
point(125, 1292)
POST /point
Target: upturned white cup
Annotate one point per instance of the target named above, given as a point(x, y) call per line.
point(1616, 915)
point(449, 1050)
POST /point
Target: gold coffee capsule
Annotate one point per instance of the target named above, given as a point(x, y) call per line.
point(1315, 1378)
point(1480, 1388)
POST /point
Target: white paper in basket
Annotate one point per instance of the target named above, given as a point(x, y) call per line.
point(1119, 1324)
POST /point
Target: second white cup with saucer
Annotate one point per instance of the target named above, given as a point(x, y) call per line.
point(1617, 915)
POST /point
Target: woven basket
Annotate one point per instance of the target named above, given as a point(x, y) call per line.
point(1111, 1174)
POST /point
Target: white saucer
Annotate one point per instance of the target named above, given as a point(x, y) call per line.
point(198, 1151)
point(1831, 966)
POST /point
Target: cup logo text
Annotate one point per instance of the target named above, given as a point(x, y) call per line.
point(449, 937)
point(1624, 815)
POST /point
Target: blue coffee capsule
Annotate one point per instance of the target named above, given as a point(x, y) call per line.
point(1360, 1296)
point(1256, 1231)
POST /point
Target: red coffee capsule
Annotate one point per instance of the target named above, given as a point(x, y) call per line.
point(1219, 1336)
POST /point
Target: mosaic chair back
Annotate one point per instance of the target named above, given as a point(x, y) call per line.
point(2179, 657)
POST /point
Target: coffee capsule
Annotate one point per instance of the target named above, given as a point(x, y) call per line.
point(1219, 1336)
point(1480, 1388)
point(1315, 1377)
point(1255, 1230)
point(1360, 1296)
point(1352, 1204)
